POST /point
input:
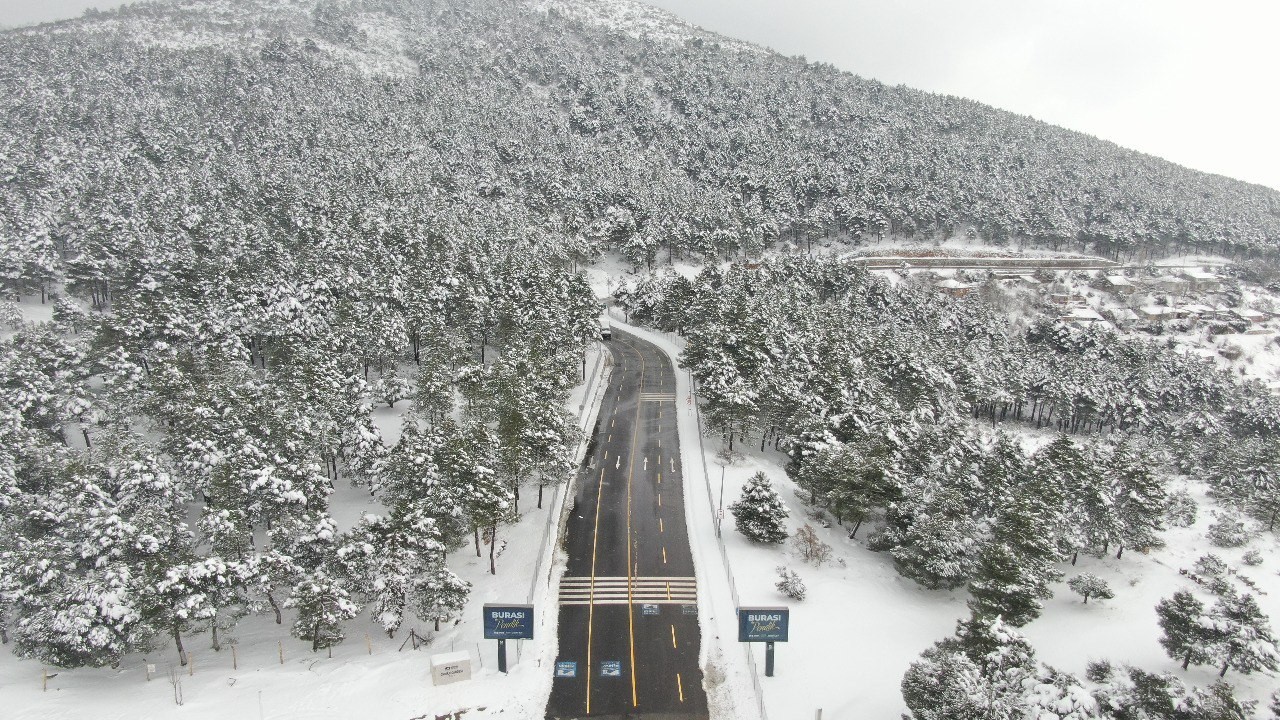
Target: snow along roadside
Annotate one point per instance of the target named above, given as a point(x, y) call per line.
point(733, 689)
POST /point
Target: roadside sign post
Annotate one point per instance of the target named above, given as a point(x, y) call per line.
point(767, 625)
point(507, 622)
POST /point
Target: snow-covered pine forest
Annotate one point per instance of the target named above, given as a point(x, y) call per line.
point(256, 221)
point(983, 453)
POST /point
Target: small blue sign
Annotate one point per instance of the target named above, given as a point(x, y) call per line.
point(689, 609)
point(508, 622)
point(763, 624)
point(611, 668)
point(566, 668)
point(649, 609)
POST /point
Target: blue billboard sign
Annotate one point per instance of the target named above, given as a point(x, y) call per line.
point(508, 622)
point(763, 624)
point(566, 668)
point(611, 668)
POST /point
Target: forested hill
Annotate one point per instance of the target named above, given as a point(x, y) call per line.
point(134, 135)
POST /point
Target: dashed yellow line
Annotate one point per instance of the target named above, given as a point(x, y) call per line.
point(591, 609)
point(680, 687)
point(660, 528)
point(673, 636)
point(664, 554)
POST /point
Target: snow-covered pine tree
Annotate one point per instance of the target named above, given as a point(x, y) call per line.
point(264, 575)
point(935, 537)
point(944, 684)
point(759, 513)
point(789, 583)
point(1016, 568)
point(1067, 479)
point(1229, 530)
point(1139, 496)
point(1242, 636)
point(1088, 585)
point(186, 595)
point(985, 671)
point(323, 606)
point(1059, 695)
point(1186, 629)
point(439, 594)
point(1000, 587)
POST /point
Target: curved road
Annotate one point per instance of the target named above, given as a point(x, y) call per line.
point(628, 613)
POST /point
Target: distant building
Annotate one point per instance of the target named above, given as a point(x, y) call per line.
point(1124, 317)
point(1169, 284)
point(1202, 281)
point(955, 288)
point(1119, 285)
point(1066, 298)
point(1082, 316)
point(1253, 317)
point(1157, 313)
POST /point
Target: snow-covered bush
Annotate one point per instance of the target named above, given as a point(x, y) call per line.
point(1088, 585)
point(759, 513)
point(1229, 530)
point(391, 388)
point(790, 584)
point(1253, 557)
point(10, 315)
point(810, 546)
point(1210, 565)
point(1181, 509)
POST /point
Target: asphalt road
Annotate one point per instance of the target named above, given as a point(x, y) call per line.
point(628, 612)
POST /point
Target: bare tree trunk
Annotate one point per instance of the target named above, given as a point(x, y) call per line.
point(177, 640)
point(274, 606)
point(493, 544)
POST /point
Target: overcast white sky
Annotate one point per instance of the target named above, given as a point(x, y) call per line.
point(1191, 81)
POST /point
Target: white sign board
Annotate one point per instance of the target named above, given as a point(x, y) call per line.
point(450, 667)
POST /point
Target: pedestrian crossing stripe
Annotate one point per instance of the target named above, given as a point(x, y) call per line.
point(614, 590)
point(657, 397)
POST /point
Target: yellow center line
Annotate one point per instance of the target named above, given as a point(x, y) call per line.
point(668, 590)
point(631, 465)
point(660, 528)
point(659, 478)
point(591, 608)
point(664, 554)
point(659, 499)
point(673, 636)
point(680, 687)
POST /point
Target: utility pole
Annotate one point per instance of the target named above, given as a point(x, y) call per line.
point(720, 513)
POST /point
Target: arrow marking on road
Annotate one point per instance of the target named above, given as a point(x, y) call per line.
point(646, 463)
point(617, 463)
